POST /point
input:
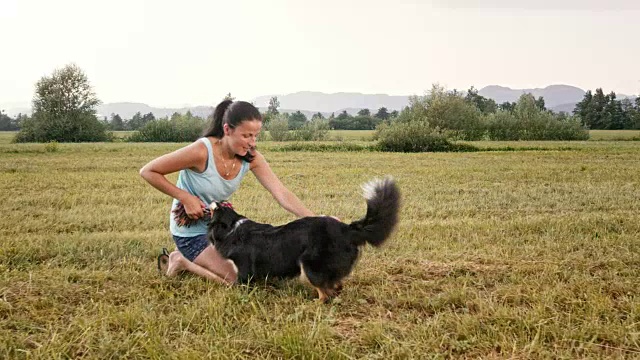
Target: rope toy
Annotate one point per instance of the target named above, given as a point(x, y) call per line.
point(182, 219)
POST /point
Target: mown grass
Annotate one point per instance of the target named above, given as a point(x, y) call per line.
point(499, 254)
point(614, 135)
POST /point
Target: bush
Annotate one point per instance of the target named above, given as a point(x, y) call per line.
point(447, 111)
point(415, 136)
point(503, 126)
point(279, 128)
point(316, 130)
point(164, 130)
point(541, 125)
point(51, 146)
point(72, 127)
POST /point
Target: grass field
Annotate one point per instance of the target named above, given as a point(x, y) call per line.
point(499, 254)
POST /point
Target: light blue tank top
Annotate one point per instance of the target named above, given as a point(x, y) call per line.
point(209, 186)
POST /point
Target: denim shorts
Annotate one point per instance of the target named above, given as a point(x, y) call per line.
point(191, 246)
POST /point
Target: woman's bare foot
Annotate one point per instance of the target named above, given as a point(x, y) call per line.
point(176, 264)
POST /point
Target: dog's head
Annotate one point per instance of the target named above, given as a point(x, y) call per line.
point(224, 217)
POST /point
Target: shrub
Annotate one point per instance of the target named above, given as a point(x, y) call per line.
point(445, 110)
point(533, 125)
point(279, 128)
point(164, 130)
point(415, 136)
point(72, 127)
point(316, 130)
point(503, 126)
point(51, 146)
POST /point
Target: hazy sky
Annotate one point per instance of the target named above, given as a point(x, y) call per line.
point(168, 53)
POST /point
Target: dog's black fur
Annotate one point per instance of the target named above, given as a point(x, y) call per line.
point(323, 247)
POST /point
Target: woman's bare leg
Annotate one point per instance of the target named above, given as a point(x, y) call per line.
point(209, 265)
point(211, 260)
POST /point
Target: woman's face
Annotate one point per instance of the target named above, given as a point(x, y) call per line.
point(242, 138)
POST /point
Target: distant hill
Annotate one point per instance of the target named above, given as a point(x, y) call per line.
point(328, 103)
point(553, 95)
point(126, 110)
point(556, 97)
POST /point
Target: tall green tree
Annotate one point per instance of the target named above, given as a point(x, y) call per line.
point(343, 115)
point(527, 108)
point(274, 104)
point(507, 106)
point(64, 110)
point(297, 120)
point(486, 106)
point(7, 123)
point(615, 117)
point(364, 112)
point(382, 114)
point(146, 118)
point(116, 123)
point(597, 110)
point(582, 108)
point(317, 116)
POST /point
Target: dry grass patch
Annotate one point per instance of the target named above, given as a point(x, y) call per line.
point(499, 254)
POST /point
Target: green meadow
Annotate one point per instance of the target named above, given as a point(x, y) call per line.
point(522, 250)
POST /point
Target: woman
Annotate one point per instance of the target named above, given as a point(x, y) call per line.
point(211, 169)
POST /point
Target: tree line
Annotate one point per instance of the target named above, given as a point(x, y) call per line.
point(606, 112)
point(64, 109)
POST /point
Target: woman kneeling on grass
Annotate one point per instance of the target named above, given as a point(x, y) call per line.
point(211, 169)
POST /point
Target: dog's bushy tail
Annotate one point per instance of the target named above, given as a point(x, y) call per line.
point(383, 204)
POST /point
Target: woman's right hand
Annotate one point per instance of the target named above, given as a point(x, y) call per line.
point(194, 207)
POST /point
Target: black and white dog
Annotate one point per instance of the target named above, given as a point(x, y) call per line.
point(321, 250)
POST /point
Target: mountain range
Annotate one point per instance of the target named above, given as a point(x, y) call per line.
point(557, 98)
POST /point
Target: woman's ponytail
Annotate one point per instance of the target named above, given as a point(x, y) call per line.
point(215, 127)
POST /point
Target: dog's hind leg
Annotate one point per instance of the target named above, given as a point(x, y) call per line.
point(324, 293)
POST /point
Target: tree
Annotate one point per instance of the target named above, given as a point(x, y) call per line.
point(297, 120)
point(394, 114)
point(228, 97)
point(526, 108)
point(486, 106)
point(540, 103)
point(64, 110)
point(615, 117)
point(116, 122)
point(7, 123)
point(135, 123)
point(596, 110)
point(635, 115)
point(147, 118)
point(382, 113)
point(274, 104)
point(364, 112)
point(343, 115)
point(317, 116)
point(507, 106)
point(582, 108)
